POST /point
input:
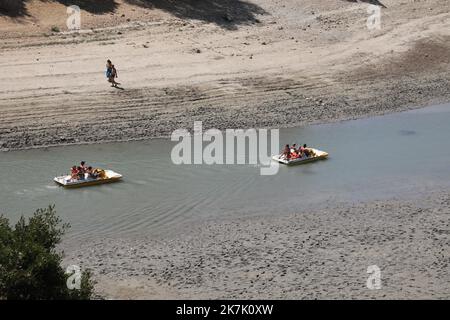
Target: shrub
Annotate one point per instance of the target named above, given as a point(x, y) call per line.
point(30, 266)
point(11, 5)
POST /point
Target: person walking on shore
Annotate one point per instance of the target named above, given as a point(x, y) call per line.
point(111, 73)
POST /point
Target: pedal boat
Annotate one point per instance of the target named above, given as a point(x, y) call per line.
point(318, 155)
point(68, 182)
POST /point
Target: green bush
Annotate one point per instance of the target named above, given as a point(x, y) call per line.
point(30, 266)
point(10, 5)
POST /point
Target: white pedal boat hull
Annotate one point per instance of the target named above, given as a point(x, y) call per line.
point(68, 182)
point(319, 155)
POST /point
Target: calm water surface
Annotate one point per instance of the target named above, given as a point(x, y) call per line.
point(369, 159)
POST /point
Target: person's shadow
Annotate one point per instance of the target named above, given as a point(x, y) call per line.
point(118, 87)
point(374, 2)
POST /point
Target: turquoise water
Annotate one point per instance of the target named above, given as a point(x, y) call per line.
point(374, 158)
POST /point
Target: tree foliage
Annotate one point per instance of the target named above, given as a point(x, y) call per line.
point(30, 266)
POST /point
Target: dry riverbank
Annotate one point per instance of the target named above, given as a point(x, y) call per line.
point(231, 65)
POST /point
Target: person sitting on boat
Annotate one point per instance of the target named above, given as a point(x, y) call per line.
point(81, 172)
point(91, 173)
point(74, 173)
point(304, 151)
point(293, 148)
point(286, 153)
point(83, 165)
point(300, 152)
point(293, 151)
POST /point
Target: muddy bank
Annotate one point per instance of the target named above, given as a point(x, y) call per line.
point(309, 255)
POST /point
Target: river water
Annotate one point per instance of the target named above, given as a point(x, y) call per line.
point(375, 158)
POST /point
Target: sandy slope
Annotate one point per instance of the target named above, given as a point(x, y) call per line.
point(271, 63)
